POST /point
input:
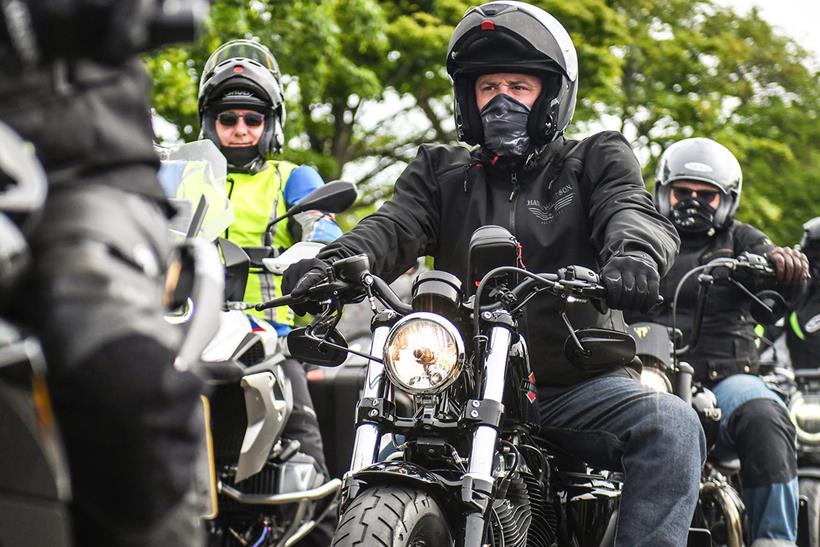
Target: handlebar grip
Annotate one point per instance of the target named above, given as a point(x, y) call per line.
point(286, 300)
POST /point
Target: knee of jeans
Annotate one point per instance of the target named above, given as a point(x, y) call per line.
point(764, 437)
point(680, 428)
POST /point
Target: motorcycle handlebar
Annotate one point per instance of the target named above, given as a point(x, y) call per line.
point(286, 300)
point(324, 290)
point(750, 263)
point(564, 283)
point(571, 281)
point(389, 296)
point(746, 262)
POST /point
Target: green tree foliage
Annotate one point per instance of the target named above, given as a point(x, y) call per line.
point(365, 84)
point(691, 68)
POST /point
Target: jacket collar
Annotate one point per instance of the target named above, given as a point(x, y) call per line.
point(526, 169)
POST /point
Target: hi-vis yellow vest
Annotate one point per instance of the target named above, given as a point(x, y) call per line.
point(258, 199)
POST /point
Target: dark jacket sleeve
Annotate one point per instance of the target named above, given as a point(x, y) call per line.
point(623, 220)
point(750, 239)
point(404, 228)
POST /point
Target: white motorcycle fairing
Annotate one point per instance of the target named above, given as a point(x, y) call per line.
point(299, 251)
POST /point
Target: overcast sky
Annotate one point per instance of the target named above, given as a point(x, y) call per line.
point(798, 19)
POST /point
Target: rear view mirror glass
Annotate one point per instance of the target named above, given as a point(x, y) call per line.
point(311, 350)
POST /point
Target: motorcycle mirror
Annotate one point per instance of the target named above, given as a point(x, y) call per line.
point(599, 349)
point(237, 265)
point(333, 197)
point(307, 348)
point(768, 306)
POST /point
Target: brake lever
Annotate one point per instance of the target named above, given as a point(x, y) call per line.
point(316, 293)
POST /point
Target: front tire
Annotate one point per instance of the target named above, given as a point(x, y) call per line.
point(393, 516)
point(810, 490)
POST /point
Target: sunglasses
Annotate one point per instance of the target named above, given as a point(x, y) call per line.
point(252, 119)
point(703, 196)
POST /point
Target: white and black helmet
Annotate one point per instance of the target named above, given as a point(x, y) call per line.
point(243, 74)
point(508, 36)
point(700, 160)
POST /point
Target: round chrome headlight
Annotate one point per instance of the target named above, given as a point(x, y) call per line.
point(424, 353)
point(805, 413)
point(655, 379)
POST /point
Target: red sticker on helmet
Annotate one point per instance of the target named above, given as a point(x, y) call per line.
point(486, 24)
point(238, 69)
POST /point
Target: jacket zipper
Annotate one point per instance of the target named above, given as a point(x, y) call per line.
point(230, 192)
point(513, 200)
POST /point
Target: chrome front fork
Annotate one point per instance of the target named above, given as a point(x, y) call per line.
point(477, 485)
point(495, 371)
point(368, 434)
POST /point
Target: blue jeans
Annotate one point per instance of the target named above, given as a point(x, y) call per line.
point(655, 439)
point(766, 451)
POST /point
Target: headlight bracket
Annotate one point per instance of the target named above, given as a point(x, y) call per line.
point(375, 410)
point(486, 412)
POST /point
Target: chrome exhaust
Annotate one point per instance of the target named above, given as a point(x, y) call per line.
point(730, 509)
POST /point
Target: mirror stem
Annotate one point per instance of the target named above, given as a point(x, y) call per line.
point(322, 342)
point(572, 333)
point(270, 225)
point(750, 294)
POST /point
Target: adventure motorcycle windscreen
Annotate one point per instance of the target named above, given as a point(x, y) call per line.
point(188, 173)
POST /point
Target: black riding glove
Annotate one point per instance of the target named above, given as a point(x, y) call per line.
point(299, 278)
point(632, 282)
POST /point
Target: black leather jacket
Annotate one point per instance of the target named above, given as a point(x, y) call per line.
point(727, 339)
point(577, 203)
point(803, 328)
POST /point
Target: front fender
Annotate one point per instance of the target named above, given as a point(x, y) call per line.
point(400, 472)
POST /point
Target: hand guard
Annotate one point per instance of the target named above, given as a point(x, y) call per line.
point(632, 282)
point(299, 278)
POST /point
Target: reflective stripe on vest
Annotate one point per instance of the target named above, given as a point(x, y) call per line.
point(793, 321)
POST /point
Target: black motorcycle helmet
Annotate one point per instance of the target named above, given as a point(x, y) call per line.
point(243, 74)
point(810, 245)
point(508, 36)
point(700, 160)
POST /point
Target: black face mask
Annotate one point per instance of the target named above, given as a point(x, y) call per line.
point(505, 126)
point(693, 217)
point(240, 156)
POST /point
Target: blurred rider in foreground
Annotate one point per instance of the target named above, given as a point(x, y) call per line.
point(73, 87)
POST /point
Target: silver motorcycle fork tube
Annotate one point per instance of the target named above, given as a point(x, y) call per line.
point(480, 468)
point(495, 371)
point(367, 434)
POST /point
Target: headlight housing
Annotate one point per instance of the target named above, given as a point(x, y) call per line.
point(424, 353)
point(805, 413)
point(655, 379)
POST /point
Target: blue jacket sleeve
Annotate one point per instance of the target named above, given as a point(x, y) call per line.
point(310, 225)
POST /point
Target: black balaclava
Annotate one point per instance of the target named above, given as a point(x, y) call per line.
point(505, 127)
point(693, 217)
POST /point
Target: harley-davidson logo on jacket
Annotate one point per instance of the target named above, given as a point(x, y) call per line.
point(547, 213)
